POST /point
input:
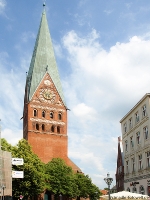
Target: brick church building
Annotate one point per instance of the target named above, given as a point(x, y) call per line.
point(45, 110)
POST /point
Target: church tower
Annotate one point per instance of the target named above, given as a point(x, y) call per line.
point(45, 111)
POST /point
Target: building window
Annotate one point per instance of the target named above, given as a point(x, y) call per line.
point(128, 189)
point(125, 127)
point(35, 113)
point(140, 161)
point(136, 117)
point(51, 115)
point(134, 190)
point(58, 129)
point(43, 127)
point(138, 137)
point(133, 164)
point(130, 123)
point(148, 159)
point(131, 142)
point(141, 190)
point(127, 166)
point(43, 113)
point(52, 129)
point(145, 130)
point(37, 126)
point(126, 145)
point(144, 111)
point(59, 116)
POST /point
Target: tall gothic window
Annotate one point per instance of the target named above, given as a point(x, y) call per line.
point(51, 115)
point(37, 126)
point(43, 127)
point(35, 113)
point(59, 116)
point(43, 113)
point(58, 129)
point(52, 129)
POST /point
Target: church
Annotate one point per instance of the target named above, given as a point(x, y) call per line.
point(45, 110)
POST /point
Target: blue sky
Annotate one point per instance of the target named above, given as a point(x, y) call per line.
point(103, 54)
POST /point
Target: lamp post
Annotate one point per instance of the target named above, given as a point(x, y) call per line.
point(3, 188)
point(108, 181)
point(60, 197)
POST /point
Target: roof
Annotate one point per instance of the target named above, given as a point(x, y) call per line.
point(43, 60)
point(73, 166)
point(142, 99)
point(104, 192)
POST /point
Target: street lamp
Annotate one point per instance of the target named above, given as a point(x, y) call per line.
point(3, 188)
point(108, 181)
point(60, 196)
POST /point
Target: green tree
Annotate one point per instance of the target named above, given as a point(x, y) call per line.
point(86, 187)
point(5, 146)
point(60, 178)
point(33, 182)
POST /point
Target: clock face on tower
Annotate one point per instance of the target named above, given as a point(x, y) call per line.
point(48, 95)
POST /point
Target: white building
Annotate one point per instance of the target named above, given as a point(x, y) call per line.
point(135, 127)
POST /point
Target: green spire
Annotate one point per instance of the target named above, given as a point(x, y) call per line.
point(43, 60)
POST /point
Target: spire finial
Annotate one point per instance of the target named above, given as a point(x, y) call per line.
point(44, 4)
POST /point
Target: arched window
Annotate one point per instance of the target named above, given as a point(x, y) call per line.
point(59, 116)
point(58, 129)
point(37, 126)
point(52, 129)
point(128, 189)
point(141, 190)
point(134, 190)
point(43, 127)
point(51, 115)
point(34, 112)
point(43, 113)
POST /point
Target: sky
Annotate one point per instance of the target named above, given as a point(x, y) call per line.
point(102, 50)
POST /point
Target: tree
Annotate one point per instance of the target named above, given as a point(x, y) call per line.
point(5, 146)
point(60, 178)
point(33, 182)
point(86, 187)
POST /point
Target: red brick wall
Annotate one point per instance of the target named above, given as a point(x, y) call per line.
point(46, 143)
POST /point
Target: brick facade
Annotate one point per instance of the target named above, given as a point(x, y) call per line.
point(45, 111)
point(45, 122)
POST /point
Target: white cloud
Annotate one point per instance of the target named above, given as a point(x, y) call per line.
point(81, 110)
point(105, 84)
point(8, 134)
point(2, 6)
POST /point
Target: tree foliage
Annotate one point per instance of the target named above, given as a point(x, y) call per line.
point(86, 187)
point(33, 182)
point(5, 146)
point(60, 178)
point(55, 176)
